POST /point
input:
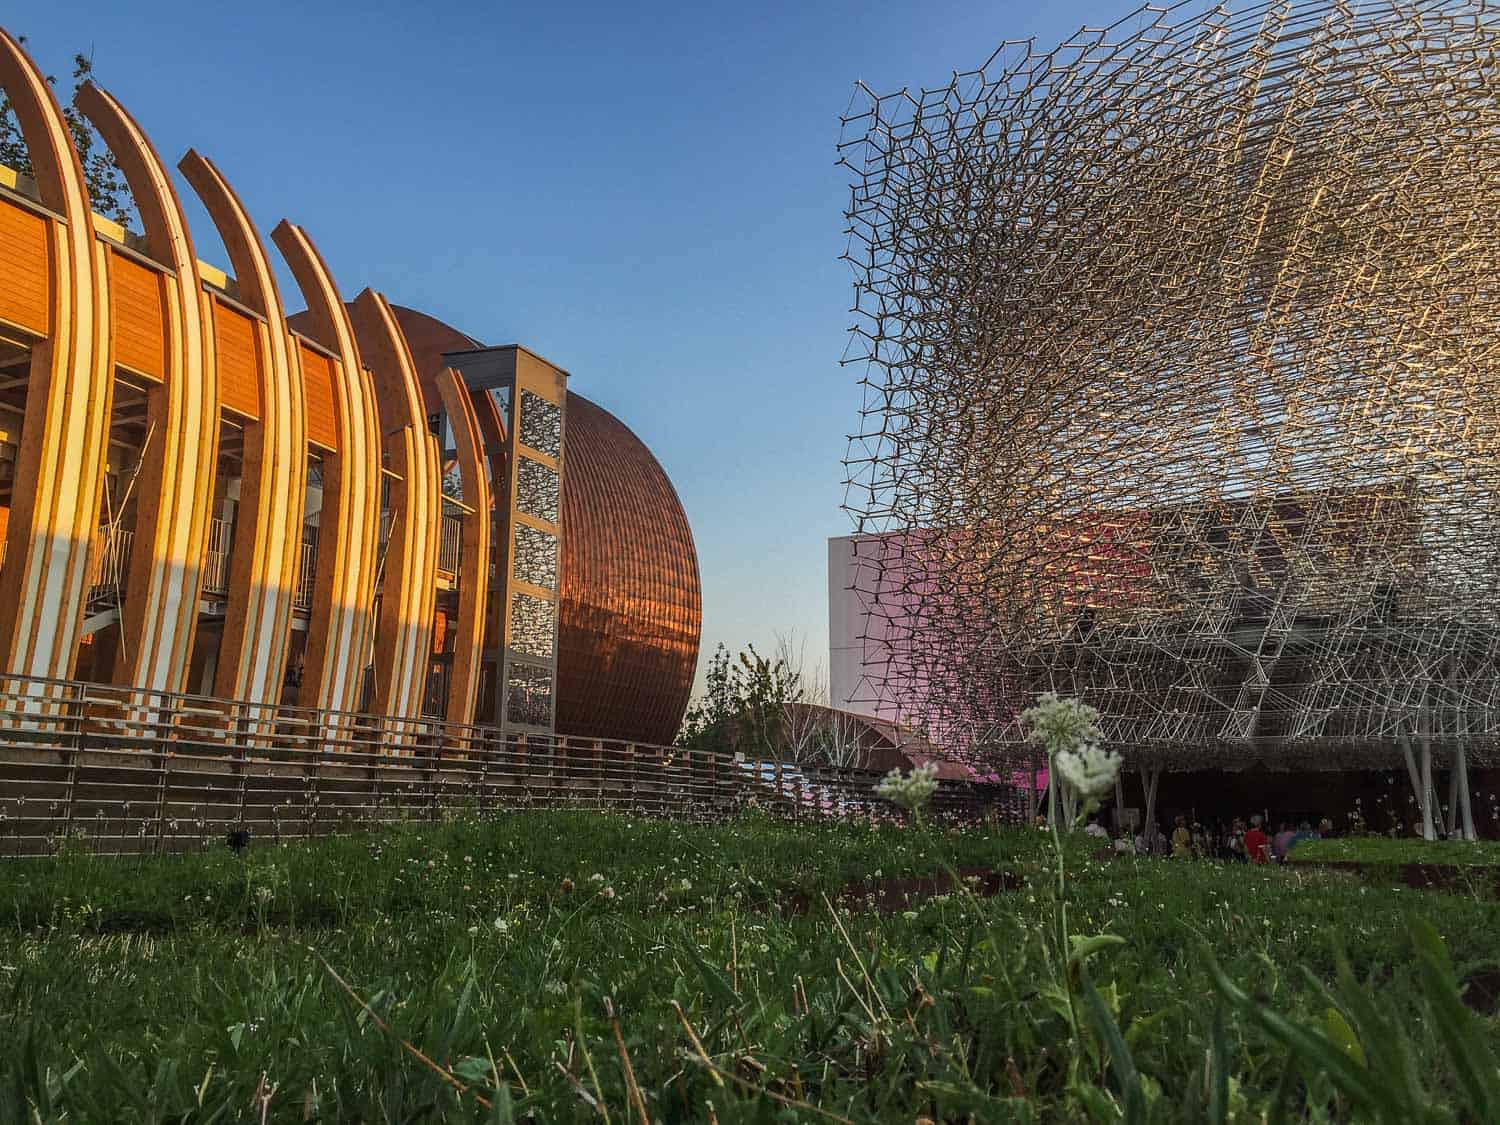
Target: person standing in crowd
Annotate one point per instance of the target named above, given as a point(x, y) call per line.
point(1234, 842)
point(1201, 842)
point(1182, 840)
point(1257, 843)
point(1281, 843)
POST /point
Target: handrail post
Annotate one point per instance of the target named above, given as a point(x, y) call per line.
point(241, 759)
point(72, 712)
point(485, 749)
point(164, 713)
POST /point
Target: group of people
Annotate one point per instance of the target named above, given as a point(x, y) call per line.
point(1230, 842)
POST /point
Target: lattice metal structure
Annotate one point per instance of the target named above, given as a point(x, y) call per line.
point(1181, 348)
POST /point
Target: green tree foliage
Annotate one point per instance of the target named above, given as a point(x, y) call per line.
point(108, 191)
point(744, 707)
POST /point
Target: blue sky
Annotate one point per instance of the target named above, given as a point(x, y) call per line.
point(645, 194)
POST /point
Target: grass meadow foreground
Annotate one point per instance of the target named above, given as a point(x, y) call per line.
point(578, 966)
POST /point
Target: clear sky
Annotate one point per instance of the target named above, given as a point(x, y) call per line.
point(644, 193)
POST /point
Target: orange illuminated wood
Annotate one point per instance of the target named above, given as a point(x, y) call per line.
point(408, 591)
point(23, 281)
point(317, 383)
point(340, 625)
point(273, 491)
point(238, 362)
point(474, 564)
point(137, 317)
point(61, 455)
point(160, 328)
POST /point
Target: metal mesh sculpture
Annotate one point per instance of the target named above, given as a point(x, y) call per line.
point(1182, 354)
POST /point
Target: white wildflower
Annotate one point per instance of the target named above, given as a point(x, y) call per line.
point(1091, 771)
point(913, 790)
point(1062, 724)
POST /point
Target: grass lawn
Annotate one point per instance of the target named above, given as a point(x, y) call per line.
point(573, 966)
point(1384, 850)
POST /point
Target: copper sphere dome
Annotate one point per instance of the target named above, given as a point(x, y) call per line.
point(631, 608)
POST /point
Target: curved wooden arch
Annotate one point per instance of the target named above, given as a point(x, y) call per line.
point(66, 430)
point(474, 581)
point(339, 628)
point(492, 429)
point(273, 490)
point(408, 590)
point(175, 484)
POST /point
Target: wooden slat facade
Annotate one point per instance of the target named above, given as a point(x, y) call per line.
point(238, 362)
point(137, 320)
point(318, 376)
point(23, 282)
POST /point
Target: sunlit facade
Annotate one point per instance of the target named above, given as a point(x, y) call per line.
point(351, 509)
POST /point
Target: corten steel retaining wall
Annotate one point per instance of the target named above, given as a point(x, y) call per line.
point(119, 771)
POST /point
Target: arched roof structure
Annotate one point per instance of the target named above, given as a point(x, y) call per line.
point(631, 603)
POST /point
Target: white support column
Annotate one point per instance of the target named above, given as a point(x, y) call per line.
point(1465, 807)
point(1150, 776)
point(1449, 818)
point(1429, 830)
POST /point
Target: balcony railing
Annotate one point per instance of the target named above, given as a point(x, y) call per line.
point(450, 543)
point(308, 572)
point(109, 562)
point(216, 560)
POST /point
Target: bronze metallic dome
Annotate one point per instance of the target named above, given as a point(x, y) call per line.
point(631, 606)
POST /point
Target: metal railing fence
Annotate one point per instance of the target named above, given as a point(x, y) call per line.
point(123, 771)
point(450, 543)
point(307, 572)
point(109, 561)
point(216, 558)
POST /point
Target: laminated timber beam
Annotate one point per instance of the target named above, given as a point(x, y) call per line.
point(474, 564)
point(175, 484)
point(63, 444)
point(408, 591)
point(339, 628)
point(273, 490)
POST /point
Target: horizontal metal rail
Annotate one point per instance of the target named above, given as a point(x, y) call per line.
point(123, 771)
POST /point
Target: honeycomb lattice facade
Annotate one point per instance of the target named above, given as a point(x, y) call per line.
point(1182, 357)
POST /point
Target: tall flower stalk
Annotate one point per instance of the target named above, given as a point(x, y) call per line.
point(1068, 730)
point(911, 792)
